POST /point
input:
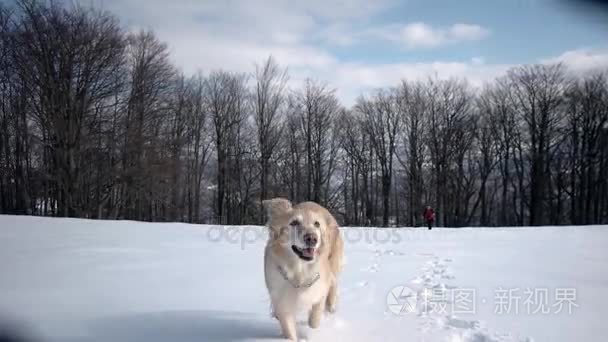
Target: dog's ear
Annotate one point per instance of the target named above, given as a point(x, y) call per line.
point(332, 227)
point(276, 206)
point(336, 244)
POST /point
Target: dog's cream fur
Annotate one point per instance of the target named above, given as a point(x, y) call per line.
point(284, 270)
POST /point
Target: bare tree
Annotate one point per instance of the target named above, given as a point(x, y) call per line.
point(537, 96)
point(587, 119)
point(150, 81)
point(7, 170)
point(96, 122)
point(486, 162)
point(67, 60)
point(448, 118)
point(291, 162)
point(270, 83)
point(225, 102)
point(414, 109)
point(199, 145)
point(355, 144)
point(180, 110)
point(316, 106)
point(496, 110)
point(382, 121)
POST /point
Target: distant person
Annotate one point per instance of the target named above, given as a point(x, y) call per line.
point(429, 216)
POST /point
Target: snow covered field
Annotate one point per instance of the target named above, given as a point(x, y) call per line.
point(81, 280)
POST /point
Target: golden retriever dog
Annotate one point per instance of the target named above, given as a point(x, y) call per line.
point(302, 260)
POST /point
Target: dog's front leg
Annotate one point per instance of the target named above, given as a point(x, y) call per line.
point(288, 325)
point(314, 318)
point(332, 298)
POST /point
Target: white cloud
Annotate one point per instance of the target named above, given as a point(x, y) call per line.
point(460, 32)
point(412, 35)
point(477, 60)
point(264, 20)
point(233, 35)
point(203, 52)
point(422, 35)
point(353, 79)
point(581, 60)
point(338, 34)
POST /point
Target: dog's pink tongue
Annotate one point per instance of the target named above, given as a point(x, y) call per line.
point(308, 252)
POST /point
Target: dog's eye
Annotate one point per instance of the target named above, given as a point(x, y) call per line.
point(317, 224)
point(294, 223)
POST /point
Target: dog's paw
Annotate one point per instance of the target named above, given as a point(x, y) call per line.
point(272, 313)
point(314, 322)
point(314, 319)
point(331, 308)
point(289, 337)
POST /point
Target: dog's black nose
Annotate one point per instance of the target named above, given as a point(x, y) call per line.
point(310, 239)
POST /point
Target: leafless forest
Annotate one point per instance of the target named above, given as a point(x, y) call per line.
point(96, 122)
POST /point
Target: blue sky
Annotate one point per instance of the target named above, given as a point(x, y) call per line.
point(519, 31)
point(358, 45)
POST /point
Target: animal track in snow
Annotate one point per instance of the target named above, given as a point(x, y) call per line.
point(461, 323)
point(436, 297)
point(373, 268)
point(362, 283)
point(434, 303)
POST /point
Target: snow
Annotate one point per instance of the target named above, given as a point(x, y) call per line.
point(85, 280)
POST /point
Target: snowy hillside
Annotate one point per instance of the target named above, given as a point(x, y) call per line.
point(80, 280)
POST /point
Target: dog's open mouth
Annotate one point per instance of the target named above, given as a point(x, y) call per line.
point(304, 253)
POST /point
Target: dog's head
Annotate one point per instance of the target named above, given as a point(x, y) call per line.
point(302, 231)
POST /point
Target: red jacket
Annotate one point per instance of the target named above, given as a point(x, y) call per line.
point(429, 214)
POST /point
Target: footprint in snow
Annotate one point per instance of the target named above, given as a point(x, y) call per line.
point(417, 280)
point(475, 336)
point(462, 323)
point(393, 252)
point(362, 284)
point(339, 323)
point(439, 270)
